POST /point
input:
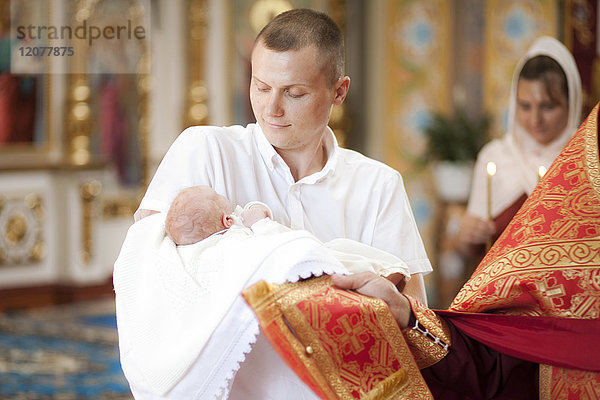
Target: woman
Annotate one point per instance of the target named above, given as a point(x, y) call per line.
point(543, 114)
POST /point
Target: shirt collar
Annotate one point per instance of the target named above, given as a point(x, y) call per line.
point(269, 154)
point(332, 149)
point(267, 151)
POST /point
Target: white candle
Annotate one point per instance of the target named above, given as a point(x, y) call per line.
point(541, 172)
point(491, 171)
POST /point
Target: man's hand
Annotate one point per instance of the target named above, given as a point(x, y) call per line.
point(372, 285)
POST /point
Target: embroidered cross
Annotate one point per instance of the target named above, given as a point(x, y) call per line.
point(528, 226)
point(349, 334)
point(573, 173)
point(549, 293)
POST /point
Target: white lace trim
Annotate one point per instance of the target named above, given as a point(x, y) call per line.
point(218, 382)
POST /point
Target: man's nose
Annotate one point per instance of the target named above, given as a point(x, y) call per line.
point(274, 104)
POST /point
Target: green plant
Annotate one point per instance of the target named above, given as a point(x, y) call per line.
point(456, 137)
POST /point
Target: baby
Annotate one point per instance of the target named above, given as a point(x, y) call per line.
point(199, 212)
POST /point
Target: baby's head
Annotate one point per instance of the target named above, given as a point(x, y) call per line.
point(196, 213)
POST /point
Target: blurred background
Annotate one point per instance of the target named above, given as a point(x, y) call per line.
point(81, 134)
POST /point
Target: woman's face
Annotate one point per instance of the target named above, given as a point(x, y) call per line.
point(541, 116)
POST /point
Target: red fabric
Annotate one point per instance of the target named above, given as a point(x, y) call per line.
point(561, 342)
point(545, 268)
point(343, 345)
point(502, 220)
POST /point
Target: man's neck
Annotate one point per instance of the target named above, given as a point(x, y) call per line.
point(305, 163)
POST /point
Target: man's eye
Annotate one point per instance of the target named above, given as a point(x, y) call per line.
point(295, 95)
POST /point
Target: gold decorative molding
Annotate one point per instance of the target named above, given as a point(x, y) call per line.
point(21, 238)
point(78, 121)
point(196, 109)
point(88, 192)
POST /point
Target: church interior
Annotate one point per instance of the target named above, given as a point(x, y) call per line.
point(81, 134)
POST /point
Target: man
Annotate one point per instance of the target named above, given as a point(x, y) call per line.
point(290, 159)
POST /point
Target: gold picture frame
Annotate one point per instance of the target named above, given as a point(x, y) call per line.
point(27, 134)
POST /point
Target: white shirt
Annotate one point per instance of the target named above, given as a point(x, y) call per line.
point(352, 197)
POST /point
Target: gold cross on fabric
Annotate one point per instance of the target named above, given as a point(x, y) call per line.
point(350, 334)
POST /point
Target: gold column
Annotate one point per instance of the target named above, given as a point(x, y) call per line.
point(196, 110)
point(79, 116)
point(78, 121)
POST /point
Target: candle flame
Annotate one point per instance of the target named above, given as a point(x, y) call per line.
point(491, 168)
point(542, 171)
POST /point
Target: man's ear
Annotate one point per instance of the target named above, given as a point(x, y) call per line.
point(341, 90)
point(227, 221)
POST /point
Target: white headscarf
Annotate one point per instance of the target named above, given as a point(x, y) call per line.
point(518, 155)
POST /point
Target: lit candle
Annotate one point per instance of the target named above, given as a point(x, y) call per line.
point(541, 172)
point(491, 171)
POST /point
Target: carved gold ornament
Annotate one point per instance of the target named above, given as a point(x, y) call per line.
point(21, 238)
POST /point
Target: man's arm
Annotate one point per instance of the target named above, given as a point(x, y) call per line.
point(415, 288)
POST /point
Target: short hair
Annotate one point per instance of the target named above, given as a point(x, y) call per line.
point(194, 216)
point(550, 73)
point(302, 27)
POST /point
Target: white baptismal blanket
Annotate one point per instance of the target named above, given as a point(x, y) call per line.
point(170, 300)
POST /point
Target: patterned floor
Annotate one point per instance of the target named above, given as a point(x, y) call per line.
point(63, 353)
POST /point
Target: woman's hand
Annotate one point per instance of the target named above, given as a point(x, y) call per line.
point(372, 285)
point(474, 231)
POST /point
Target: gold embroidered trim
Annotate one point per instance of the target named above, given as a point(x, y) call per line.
point(424, 350)
point(591, 151)
point(545, 382)
point(389, 388)
point(266, 301)
point(535, 258)
point(558, 383)
point(279, 304)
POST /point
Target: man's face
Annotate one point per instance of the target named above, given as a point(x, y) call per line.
point(290, 96)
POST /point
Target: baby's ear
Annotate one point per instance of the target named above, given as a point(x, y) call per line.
point(227, 221)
